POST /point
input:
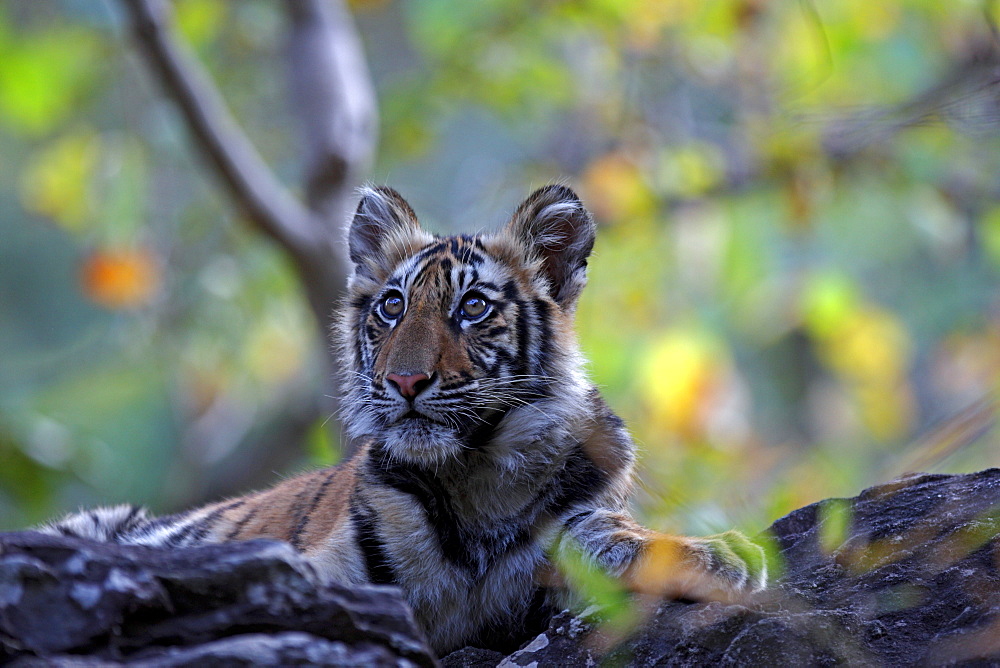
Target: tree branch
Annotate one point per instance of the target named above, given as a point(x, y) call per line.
point(966, 96)
point(261, 197)
point(335, 101)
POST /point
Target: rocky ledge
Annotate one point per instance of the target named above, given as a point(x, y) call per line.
point(65, 601)
point(905, 573)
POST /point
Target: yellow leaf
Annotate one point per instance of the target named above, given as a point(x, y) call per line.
point(56, 182)
point(886, 408)
point(616, 188)
point(680, 375)
point(872, 346)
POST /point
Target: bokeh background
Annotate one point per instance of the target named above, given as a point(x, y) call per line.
point(794, 292)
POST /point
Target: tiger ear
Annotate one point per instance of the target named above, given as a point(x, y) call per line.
point(553, 226)
point(382, 217)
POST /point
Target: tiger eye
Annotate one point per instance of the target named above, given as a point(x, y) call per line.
point(473, 307)
point(392, 306)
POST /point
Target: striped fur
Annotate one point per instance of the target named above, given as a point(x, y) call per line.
point(504, 456)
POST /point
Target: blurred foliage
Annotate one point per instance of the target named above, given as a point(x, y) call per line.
point(796, 272)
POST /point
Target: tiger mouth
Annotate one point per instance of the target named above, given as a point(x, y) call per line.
point(414, 416)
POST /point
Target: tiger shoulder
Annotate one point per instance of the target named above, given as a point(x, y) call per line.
point(487, 453)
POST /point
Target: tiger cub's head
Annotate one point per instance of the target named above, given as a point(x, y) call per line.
point(447, 338)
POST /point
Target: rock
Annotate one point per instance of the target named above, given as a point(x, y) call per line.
point(64, 599)
point(472, 657)
point(906, 573)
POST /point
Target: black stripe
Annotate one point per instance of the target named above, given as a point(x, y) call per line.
point(431, 250)
point(165, 521)
point(473, 548)
point(133, 511)
point(243, 522)
point(579, 481)
point(573, 520)
point(297, 508)
point(545, 329)
point(380, 570)
point(522, 338)
point(471, 257)
point(296, 538)
point(421, 276)
point(177, 539)
point(206, 523)
point(126, 526)
point(483, 429)
point(477, 359)
point(419, 484)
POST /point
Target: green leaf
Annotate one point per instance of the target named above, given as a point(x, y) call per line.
point(835, 516)
point(322, 447)
point(989, 230)
point(43, 76)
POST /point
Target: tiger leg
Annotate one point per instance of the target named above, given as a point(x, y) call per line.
point(726, 566)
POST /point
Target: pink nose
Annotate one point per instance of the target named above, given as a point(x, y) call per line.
point(409, 386)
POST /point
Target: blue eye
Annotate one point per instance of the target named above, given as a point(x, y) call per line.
point(391, 306)
point(474, 306)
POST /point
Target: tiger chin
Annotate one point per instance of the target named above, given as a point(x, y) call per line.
point(487, 458)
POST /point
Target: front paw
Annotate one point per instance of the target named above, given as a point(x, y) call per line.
point(724, 567)
point(734, 558)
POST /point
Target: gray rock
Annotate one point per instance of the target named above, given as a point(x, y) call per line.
point(63, 599)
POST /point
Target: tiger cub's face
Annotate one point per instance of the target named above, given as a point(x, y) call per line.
point(445, 336)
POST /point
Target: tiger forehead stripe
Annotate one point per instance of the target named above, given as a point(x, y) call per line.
point(466, 249)
point(454, 258)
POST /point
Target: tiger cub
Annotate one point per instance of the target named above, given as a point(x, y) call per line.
point(487, 453)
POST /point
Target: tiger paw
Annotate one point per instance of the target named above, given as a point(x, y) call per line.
point(734, 558)
point(724, 567)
